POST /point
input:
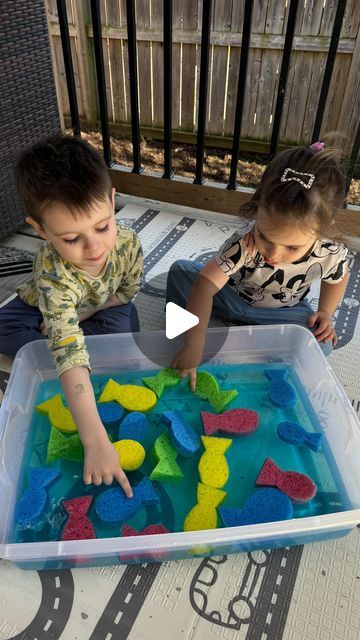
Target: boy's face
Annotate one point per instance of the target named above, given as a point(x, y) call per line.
point(85, 241)
point(281, 242)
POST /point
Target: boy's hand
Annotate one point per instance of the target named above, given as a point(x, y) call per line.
point(42, 328)
point(101, 465)
point(324, 331)
point(186, 361)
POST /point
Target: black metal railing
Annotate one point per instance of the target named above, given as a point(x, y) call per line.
point(204, 70)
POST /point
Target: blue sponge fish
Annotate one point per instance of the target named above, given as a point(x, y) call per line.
point(134, 426)
point(110, 413)
point(113, 505)
point(32, 503)
point(265, 505)
point(294, 433)
point(281, 393)
point(183, 437)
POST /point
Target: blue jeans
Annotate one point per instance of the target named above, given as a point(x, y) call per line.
point(19, 324)
point(228, 305)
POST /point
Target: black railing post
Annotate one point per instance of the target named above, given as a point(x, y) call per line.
point(100, 76)
point(245, 44)
point(168, 173)
point(328, 69)
point(133, 79)
point(69, 69)
point(204, 72)
point(289, 37)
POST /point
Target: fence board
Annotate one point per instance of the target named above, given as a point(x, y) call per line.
point(158, 83)
point(316, 68)
point(258, 16)
point(118, 81)
point(217, 90)
point(63, 94)
point(276, 17)
point(311, 16)
point(350, 108)
point(188, 95)
point(336, 92)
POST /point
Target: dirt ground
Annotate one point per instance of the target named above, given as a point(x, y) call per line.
point(216, 161)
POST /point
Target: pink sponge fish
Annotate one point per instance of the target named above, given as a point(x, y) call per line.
point(235, 421)
point(298, 486)
point(78, 525)
point(151, 530)
point(295, 434)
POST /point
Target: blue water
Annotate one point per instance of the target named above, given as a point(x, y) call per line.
point(245, 457)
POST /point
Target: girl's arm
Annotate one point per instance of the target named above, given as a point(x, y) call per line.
point(209, 281)
point(101, 462)
point(331, 294)
point(330, 297)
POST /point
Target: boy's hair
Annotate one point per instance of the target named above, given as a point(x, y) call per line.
point(316, 206)
point(61, 168)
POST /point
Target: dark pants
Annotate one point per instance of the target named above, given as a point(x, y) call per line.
point(19, 324)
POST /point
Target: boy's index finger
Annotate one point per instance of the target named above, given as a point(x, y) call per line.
point(124, 483)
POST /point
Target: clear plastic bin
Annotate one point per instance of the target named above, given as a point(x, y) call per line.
point(118, 353)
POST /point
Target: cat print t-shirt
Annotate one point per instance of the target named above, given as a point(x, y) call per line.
point(283, 284)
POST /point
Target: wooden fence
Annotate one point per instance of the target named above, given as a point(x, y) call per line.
point(312, 36)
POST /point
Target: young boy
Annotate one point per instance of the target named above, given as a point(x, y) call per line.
point(84, 278)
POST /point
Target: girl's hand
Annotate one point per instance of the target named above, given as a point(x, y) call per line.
point(186, 361)
point(101, 465)
point(324, 331)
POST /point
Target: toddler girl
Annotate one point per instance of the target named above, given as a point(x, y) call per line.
point(263, 276)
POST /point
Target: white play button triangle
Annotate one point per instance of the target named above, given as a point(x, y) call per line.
point(178, 320)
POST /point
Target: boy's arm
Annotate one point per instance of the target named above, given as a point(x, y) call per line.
point(131, 280)
point(210, 280)
point(101, 463)
point(330, 296)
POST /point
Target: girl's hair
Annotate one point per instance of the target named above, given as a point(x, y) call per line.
point(316, 206)
point(61, 168)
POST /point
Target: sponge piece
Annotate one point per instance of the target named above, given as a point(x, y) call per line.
point(134, 426)
point(151, 530)
point(298, 486)
point(65, 447)
point(131, 454)
point(266, 505)
point(183, 437)
point(207, 388)
point(78, 525)
point(164, 454)
point(295, 434)
point(204, 515)
point(59, 415)
point(130, 396)
point(281, 393)
point(235, 421)
point(110, 414)
point(31, 506)
point(213, 467)
point(113, 505)
point(165, 378)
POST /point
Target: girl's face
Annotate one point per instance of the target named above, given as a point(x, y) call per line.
point(282, 242)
